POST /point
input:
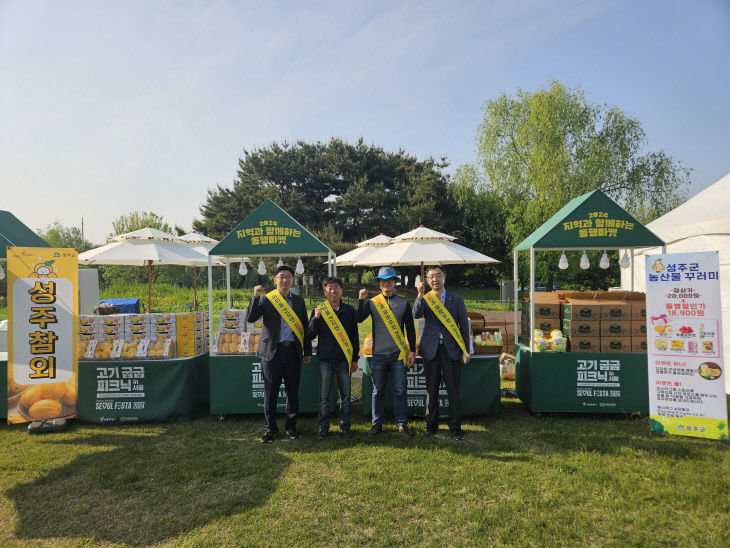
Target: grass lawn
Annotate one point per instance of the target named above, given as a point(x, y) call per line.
point(516, 480)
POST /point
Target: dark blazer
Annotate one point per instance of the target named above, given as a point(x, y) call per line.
point(430, 336)
point(328, 349)
point(272, 325)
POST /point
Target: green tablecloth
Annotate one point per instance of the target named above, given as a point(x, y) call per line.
point(582, 382)
point(480, 390)
point(237, 386)
point(144, 391)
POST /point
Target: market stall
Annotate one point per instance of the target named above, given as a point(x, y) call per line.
point(480, 390)
point(236, 385)
point(603, 370)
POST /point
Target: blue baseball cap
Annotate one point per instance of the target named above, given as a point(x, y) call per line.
point(386, 273)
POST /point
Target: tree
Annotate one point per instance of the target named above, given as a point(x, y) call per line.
point(58, 235)
point(538, 150)
point(142, 219)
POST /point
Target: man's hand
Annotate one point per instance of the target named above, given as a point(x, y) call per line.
point(363, 294)
point(421, 287)
point(353, 367)
point(307, 359)
point(258, 290)
point(318, 312)
point(467, 358)
point(411, 359)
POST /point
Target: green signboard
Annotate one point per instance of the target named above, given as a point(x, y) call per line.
point(592, 220)
point(582, 382)
point(15, 233)
point(269, 230)
point(480, 390)
point(144, 391)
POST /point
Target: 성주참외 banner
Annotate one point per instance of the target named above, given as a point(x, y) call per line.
point(42, 333)
point(684, 342)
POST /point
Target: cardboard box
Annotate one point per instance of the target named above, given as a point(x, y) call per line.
point(584, 344)
point(615, 328)
point(546, 325)
point(477, 321)
point(578, 309)
point(638, 345)
point(615, 310)
point(615, 344)
point(547, 305)
point(638, 328)
point(581, 328)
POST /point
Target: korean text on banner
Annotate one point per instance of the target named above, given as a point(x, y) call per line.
point(42, 334)
point(684, 341)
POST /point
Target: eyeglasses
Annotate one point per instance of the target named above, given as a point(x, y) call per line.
point(433, 276)
point(284, 277)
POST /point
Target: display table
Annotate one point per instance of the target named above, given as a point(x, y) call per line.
point(480, 389)
point(237, 386)
point(144, 391)
point(582, 382)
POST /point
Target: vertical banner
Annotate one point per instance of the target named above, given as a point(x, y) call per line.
point(42, 333)
point(684, 340)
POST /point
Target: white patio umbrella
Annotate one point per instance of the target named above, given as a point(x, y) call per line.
point(146, 246)
point(362, 250)
point(423, 246)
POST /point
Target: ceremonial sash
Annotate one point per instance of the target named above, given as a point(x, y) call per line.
point(445, 317)
point(335, 325)
point(286, 312)
point(386, 314)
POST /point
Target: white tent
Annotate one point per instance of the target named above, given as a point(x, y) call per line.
point(702, 223)
point(362, 250)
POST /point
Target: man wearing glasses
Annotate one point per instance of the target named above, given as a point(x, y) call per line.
point(284, 340)
point(442, 347)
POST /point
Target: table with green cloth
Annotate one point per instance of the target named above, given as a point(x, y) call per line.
point(582, 382)
point(480, 389)
point(174, 390)
point(237, 386)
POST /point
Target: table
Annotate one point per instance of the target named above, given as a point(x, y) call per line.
point(480, 389)
point(237, 386)
point(175, 390)
point(582, 382)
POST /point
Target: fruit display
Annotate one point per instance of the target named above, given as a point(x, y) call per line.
point(103, 350)
point(236, 343)
point(129, 350)
point(158, 350)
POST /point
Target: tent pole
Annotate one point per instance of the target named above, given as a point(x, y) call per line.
point(210, 304)
point(149, 287)
point(532, 299)
point(228, 282)
point(516, 303)
point(631, 287)
point(195, 287)
point(334, 260)
point(421, 270)
point(329, 263)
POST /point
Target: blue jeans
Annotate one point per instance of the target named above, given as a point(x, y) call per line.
point(327, 374)
point(381, 366)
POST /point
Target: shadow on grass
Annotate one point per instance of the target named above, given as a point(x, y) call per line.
point(139, 489)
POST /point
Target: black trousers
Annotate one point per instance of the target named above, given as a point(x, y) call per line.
point(442, 367)
point(286, 365)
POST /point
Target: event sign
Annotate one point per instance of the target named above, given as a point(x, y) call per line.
point(42, 334)
point(684, 336)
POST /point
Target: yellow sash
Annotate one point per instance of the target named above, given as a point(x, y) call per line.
point(386, 314)
point(286, 312)
point(335, 325)
point(439, 310)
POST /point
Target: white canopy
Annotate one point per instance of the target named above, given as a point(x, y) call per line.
point(702, 223)
point(362, 250)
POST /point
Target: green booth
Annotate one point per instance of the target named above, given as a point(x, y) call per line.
point(236, 383)
point(581, 382)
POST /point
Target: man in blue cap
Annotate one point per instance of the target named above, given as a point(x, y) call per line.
point(392, 352)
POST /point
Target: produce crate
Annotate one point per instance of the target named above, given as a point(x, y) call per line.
point(491, 349)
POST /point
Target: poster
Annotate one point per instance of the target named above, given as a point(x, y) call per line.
point(684, 340)
point(42, 333)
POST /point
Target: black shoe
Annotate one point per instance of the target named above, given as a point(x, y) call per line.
point(268, 437)
point(293, 433)
point(347, 433)
point(458, 434)
point(375, 429)
point(405, 431)
point(431, 431)
point(322, 434)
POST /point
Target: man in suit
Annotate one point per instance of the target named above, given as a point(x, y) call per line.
point(442, 353)
point(284, 339)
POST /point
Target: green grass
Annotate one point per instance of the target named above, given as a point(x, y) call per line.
point(517, 480)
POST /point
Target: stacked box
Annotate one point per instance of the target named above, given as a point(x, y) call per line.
point(90, 327)
point(189, 334)
point(548, 313)
point(232, 321)
point(138, 327)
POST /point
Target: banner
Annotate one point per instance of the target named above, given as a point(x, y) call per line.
point(684, 340)
point(42, 333)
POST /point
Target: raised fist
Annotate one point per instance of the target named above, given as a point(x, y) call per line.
point(421, 287)
point(258, 290)
point(363, 294)
point(318, 312)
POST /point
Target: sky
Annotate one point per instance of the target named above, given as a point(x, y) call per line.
point(110, 107)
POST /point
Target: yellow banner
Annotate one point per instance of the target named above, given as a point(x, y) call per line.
point(335, 325)
point(42, 333)
point(288, 314)
point(386, 314)
point(445, 317)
